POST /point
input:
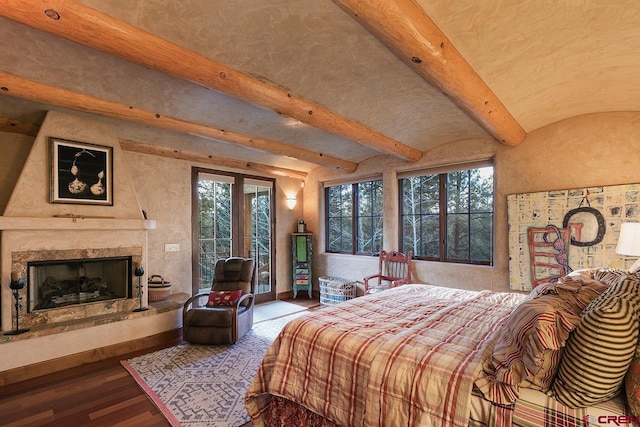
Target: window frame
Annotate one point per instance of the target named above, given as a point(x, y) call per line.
point(444, 214)
point(355, 238)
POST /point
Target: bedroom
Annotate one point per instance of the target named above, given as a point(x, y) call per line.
point(571, 88)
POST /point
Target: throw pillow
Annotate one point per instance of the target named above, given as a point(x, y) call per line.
point(610, 276)
point(227, 298)
point(529, 349)
point(600, 350)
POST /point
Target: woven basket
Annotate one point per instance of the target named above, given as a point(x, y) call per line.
point(159, 289)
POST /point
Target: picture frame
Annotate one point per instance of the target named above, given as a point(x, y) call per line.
point(81, 172)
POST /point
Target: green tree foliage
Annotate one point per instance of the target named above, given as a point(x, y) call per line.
point(214, 201)
point(365, 199)
point(467, 208)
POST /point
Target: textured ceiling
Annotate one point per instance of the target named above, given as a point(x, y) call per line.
point(545, 61)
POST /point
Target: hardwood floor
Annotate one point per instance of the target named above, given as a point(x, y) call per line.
point(97, 394)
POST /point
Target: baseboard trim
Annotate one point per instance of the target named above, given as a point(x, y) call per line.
point(289, 294)
point(35, 370)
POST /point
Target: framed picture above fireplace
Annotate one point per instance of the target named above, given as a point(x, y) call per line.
point(81, 172)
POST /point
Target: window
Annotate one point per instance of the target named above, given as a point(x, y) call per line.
point(354, 217)
point(448, 216)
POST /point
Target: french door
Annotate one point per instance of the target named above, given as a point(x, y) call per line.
point(233, 216)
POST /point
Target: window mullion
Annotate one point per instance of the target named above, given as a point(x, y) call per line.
point(354, 218)
point(442, 199)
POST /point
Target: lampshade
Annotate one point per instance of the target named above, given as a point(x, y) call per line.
point(291, 202)
point(629, 243)
point(629, 240)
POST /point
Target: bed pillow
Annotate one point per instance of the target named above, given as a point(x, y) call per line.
point(227, 298)
point(577, 289)
point(611, 276)
point(600, 350)
point(529, 348)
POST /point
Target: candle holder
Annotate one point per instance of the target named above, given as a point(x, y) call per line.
point(16, 284)
point(139, 272)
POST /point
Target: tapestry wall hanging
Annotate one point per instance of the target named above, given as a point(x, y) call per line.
point(552, 233)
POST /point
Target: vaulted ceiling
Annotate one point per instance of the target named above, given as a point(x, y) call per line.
point(284, 86)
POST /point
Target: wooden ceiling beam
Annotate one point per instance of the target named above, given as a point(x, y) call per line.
point(15, 126)
point(406, 30)
point(82, 24)
point(18, 87)
point(31, 129)
point(192, 156)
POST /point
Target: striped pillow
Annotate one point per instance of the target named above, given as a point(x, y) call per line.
point(527, 351)
point(600, 349)
point(529, 348)
point(610, 276)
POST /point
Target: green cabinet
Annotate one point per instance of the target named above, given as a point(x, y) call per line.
point(302, 254)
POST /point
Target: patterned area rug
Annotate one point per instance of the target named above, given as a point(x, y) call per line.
point(200, 385)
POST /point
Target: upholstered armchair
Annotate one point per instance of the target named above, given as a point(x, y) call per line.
point(228, 313)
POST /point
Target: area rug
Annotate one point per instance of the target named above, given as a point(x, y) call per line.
point(202, 385)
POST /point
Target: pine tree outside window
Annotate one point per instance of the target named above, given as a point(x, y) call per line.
point(354, 215)
point(448, 215)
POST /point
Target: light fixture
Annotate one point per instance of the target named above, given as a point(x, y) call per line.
point(291, 202)
point(629, 243)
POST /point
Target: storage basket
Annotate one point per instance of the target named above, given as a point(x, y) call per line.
point(334, 290)
point(159, 289)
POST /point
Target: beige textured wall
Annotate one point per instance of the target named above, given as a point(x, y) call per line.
point(589, 150)
point(164, 190)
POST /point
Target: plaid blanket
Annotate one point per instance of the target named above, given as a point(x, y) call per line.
point(406, 356)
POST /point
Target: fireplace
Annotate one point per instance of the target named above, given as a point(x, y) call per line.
point(69, 285)
point(62, 283)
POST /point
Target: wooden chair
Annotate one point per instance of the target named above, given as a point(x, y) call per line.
point(394, 269)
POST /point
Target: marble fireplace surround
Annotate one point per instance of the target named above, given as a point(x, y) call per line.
point(78, 311)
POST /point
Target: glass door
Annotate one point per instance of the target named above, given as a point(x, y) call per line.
point(257, 233)
point(233, 217)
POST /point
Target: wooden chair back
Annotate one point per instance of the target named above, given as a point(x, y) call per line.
point(393, 267)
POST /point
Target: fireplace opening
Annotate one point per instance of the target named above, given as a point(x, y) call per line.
point(61, 283)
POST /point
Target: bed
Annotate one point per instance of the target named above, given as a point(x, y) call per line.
point(422, 355)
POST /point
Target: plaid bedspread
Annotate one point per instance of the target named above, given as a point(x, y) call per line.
point(406, 356)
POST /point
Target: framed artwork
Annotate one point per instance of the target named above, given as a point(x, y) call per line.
point(81, 173)
point(552, 233)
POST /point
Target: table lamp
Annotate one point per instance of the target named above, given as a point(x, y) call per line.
point(629, 243)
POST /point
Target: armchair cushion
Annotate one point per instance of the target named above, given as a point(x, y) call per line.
point(219, 317)
point(227, 298)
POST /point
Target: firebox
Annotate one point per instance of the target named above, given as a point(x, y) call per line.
point(61, 283)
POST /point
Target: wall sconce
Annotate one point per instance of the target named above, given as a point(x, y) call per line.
point(629, 243)
point(291, 202)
